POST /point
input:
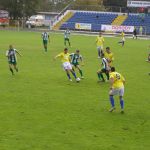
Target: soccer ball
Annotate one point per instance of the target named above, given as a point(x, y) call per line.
point(78, 79)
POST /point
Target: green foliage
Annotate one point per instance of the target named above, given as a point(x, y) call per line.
point(20, 8)
point(88, 2)
point(122, 3)
point(41, 110)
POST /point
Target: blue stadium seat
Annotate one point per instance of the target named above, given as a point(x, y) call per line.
point(93, 18)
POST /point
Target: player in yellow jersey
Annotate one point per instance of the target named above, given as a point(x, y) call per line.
point(122, 38)
point(117, 82)
point(65, 58)
point(109, 56)
point(100, 43)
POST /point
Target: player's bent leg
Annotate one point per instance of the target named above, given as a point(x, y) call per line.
point(99, 76)
point(15, 67)
point(45, 46)
point(99, 52)
point(121, 104)
point(80, 71)
point(10, 68)
point(73, 73)
point(68, 75)
point(107, 74)
point(112, 102)
point(69, 42)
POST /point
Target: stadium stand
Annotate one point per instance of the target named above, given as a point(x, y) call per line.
point(96, 19)
point(136, 20)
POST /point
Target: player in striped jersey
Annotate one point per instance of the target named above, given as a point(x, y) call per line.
point(45, 38)
point(105, 69)
point(117, 82)
point(12, 58)
point(75, 57)
point(67, 37)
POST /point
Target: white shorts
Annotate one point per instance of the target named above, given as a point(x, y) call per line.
point(99, 48)
point(67, 66)
point(123, 39)
point(119, 92)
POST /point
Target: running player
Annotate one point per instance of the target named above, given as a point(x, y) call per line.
point(100, 43)
point(65, 58)
point(135, 33)
point(109, 56)
point(12, 58)
point(45, 38)
point(122, 38)
point(117, 82)
point(67, 37)
point(75, 57)
point(105, 69)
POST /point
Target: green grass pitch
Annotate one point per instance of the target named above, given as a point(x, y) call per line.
point(41, 110)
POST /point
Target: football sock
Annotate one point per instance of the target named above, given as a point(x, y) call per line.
point(107, 74)
point(81, 73)
point(68, 75)
point(45, 48)
point(74, 74)
point(122, 103)
point(16, 69)
point(112, 101)
point(99, 76)
point(11, 70)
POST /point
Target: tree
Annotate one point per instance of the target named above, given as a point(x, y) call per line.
point(20, 8)
point(123, 3)
point(89, 2)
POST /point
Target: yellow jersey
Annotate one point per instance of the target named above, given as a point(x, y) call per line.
point(122, 34)
point(99, 41)
point(109, 57)
point(118, 80)
point(64, 57)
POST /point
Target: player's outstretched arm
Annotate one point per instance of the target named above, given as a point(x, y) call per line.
point(56, 57)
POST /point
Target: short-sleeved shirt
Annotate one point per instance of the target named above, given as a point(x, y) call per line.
point(45, 36)
point(67, 34)
point(118, 80)
point(64, 57)
point(100, 41)
point(109, 57)
point(75, 58)
point(11, 54)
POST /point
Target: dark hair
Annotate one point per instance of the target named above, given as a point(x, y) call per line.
point(107, 47)
point(65, 49)
point(112, 69)
point(77, 51)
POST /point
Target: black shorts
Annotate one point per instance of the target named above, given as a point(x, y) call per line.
point(66, 39)
point(104, 70)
